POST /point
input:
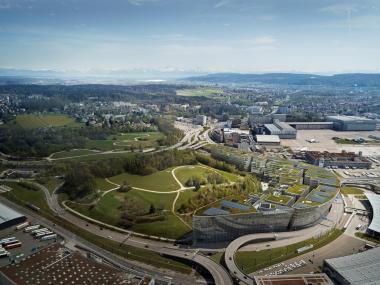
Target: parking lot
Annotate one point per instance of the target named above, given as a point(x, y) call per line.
point(29, 244)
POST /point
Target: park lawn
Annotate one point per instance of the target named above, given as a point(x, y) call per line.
point(126, 141)
point(30, 121)
point(161, 181)
point(73, 152)
point(21, 195)
point(172, 227)
point(203, 91)
point(251, 261)
point(351, 191)
point(25, 196)
point(106, 210)
point(100, 156)
point(185, 173)
point(159, 201)
point(103, 185)
point(184, 197)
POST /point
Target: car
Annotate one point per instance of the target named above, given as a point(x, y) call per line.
point(110, 237)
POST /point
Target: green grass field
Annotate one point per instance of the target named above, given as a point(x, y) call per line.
point(159, 181)
point(203, 91)
point(72, 153)
point(108, 210)
point(184, 173)
point(31, 121)
point(21, 195)
point(103, 185)
point(127, 141)
point(351, 191)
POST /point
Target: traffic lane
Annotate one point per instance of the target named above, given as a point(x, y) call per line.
point(73, 238)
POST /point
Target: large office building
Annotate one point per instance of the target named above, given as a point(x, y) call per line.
point(356, 269)
point(303, 195)
point(9, 217)
point(352, 123)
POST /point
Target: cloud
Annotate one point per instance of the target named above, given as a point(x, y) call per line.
point(340, 8)
point(141, 2)
point(262, 41)
point(222, 3)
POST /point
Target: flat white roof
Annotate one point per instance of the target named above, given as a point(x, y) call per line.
point(268, 138)
point(374, 200)
point(7, 214)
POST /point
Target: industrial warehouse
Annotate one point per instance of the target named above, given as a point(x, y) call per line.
point(9, 217)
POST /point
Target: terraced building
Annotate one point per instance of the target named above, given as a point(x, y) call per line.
point(299, 195)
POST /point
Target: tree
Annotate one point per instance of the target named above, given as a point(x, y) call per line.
point(125, 187)
point(152, 209)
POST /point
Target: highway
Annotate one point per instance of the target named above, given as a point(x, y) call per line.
point(218, 273)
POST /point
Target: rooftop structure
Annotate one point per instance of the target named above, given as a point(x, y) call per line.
point(352, 123)
point(340, 159)
point(9, 217)
point(356, 269)
point(299, 279)
point(282, 129)
point(57, 265)
point(268, 139)
point(374, 200)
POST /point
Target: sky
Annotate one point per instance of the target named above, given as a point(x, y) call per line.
point(321, 36)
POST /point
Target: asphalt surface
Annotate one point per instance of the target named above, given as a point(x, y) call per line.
point(218, 272)
point(335, 218)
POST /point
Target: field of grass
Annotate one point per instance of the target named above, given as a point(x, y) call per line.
point(127, 141)
point(21, 195)
point(31, 121)
point(103, 185)
point(161, 181)
point(185, 173)
point(351, 191)
point(367, 237)
point(250, 261)
point(203, 91)
point(282, 199)
point(109, 210)
point(73, 152)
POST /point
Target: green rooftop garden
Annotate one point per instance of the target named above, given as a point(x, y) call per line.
point(297, 189)
point(281, 199)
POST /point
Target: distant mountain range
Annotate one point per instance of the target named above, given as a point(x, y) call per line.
point(338, 80)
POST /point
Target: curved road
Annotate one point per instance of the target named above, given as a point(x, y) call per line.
point(219, 274)
point(334, 218)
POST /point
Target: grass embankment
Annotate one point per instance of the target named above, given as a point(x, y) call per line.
point(51, 183)
point(367, 237)
point(185, 173)
point(351, 191)
point(161, 181)
point(127, 141)
point(72, 153)
point(161, 223)
point(31, 121)
point(21, 196)
point(251, 261)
